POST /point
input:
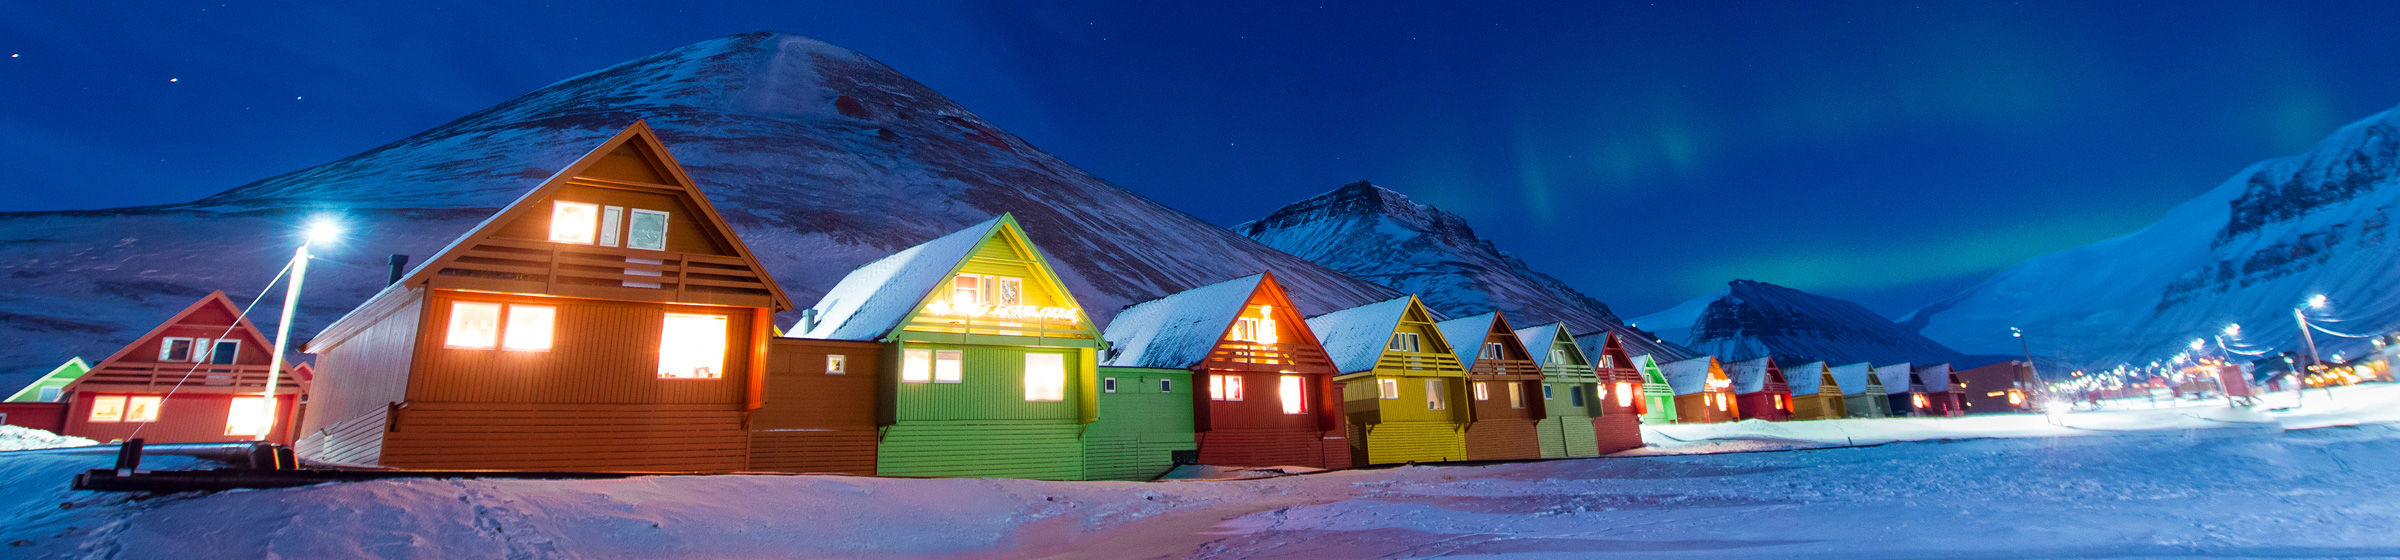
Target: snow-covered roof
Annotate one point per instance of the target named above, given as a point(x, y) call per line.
point(1806, 379)
point(873, 299)
point(1539, 339)
point(1936, 377)
point(1749, 376)
point(1852, 377)
point(1894, 376)
point(1178, 330)
point(1355, 337)
point(1466, 336)
point(1688, 377)
point(1646, 365)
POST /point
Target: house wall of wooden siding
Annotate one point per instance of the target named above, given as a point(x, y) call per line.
point(812, 420)
point(1406, 442)
point(567, 437)
point(991, 387)
point(1707, 407)
point(983, 426)
point(1761, 405)
point(1566, 430)
point(361, 372)
point(1500, 431)
point(46, 416)
point(603, 352)
point(1140, 427)
point(1986, 388)
point(357, 441)
point(1618, 425)
point(1038, 449)
point(182, 418)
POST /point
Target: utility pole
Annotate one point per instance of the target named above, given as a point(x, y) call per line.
point(2029, 379)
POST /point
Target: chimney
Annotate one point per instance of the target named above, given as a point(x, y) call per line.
point(808, 322)
point(399, 267)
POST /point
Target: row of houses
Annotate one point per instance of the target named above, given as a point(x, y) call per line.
point(610, 319)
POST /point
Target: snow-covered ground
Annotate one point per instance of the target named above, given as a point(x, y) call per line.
point(2193, 480)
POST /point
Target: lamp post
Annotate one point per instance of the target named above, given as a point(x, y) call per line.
point(2307, 340)
point(2031, 378)
point(321, 230)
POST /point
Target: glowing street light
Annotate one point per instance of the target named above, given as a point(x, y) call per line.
point(322, 229)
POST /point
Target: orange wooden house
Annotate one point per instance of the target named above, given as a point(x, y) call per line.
point(1505, 386)
point(201, 376)
point(1703, 394)
point(609, 319)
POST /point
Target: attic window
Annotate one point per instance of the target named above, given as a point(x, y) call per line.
point(1558, 355)
point(574, 222)
point(1404, 342)
point(646, 229)
point(584, 223)
point(176, 349)
point(224, 351)
point(1260, 329)
point(49, 394)
point(985, 289)
point(1491, 351)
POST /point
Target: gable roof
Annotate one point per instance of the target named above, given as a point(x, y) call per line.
point(1810, 379)
point(1648, 366)
point(875, 299)
point(645, 142)
point(1550, 336)
point(1936, 377)
point(1750, 376)
point(1179, 330)
point(241, 327)
point(1475, 328)
point(1853, 378)
point(1689, 376)
point(60, 376)
point(1355, 337)
point(1895, 377)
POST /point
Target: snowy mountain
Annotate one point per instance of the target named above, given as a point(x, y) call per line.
point(823, 158)
point(1372, 233)
point(1752, 319)
point(2245, 252)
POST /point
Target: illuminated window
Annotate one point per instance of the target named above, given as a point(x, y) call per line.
point(248, 416)
point(1003, 290)
point(1919, 400)
point(1722, 406)
point(837, 364)
point(1778, 401)
point(1404, 342)
point(529, 327)
point(574, 222)
point(646, 229)
point(1434, 399)
point(1295, 395)
point(224, 351)
point(108, 409)
point(916, 366)
point(1225, 387)
point(473, 325)
point(691, 346)
point(1574, 395)
point(1482, 393)
point(1387, 389)
point(1253, 329)
point(1516, 395)
point(1624, 394)
point(142, 409)
point(1045, 377)
point(949, 366)
point(1608, 361)
point(176, 349)
point(1491, 351)
point(966, 289)
point(1108, 385)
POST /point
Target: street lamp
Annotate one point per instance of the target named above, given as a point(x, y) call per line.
point(2309, 341)
point(2031, 379)
point(322, 229)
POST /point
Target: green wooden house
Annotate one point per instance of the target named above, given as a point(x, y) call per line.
point(1145, 421)
point(1570, 389)
point(1658, 398)
point(49, 386)
point(988, 366)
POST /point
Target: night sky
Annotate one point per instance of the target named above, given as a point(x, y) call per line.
point(1888, 153)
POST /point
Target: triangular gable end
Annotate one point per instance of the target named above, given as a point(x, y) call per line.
point(1270, 293)
point(73, 368)
point(632, 161)
point(1558, 336)
point(214, 308)
point(1005, 242)
point(1418, 313)
point(1615, 351)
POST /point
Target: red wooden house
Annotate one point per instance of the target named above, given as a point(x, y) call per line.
point(1942, 390)
point(1265, 393)
point(609, 319)
point(1504, 386)
point(1619, 423)
point(201, 376)
point(1760, 390)
point(1999, 387)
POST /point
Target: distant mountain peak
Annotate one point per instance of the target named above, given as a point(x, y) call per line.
point(1753, 319)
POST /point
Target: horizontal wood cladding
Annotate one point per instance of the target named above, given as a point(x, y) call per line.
point(1277, 357)
point(1140, 426)
point(686, 231)
point(564, 269)
point(1501, 439)
point(1132, 456)
point(1617, 433)
point(841, 451)
point(182, 418)
point(365, 370)
point(803, 393)
point(1262, 403)
point(1498, 407)
point(1257, 447)
point(1037, 449)
point(353, 441)
point(1871, 405)
point(1701, 408)
point(1761, 405)
point(45, 416)
point(1568, 436)
point(183, 378)
point(603, 352)
point(991, 385)
point(568, 437)
point(1818, 406)
point(1404, 442)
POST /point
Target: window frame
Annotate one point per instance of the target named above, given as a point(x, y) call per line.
point(1491, 351)
point(1166, 385)
point(1055, 390)
point(1387, 389)
point(723, 347)
point(115, 406)
point(508, 318)
point(1434, 399)
point(259, 405)
point(1516, 394)
point(216, 348)
point(1413, 343)
point(1108, 384)
point(450, 329)
point(166, 349)
point(949, 366)
point(916, 365)
point(633, 215)
point(1293, 391)
point(1575, 396)
point(1483, 390)
point(156, 405)
point(837, 364)
point(590, 230)
point(50, 393)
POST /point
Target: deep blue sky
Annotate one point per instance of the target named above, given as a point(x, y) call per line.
point(1888, 153)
